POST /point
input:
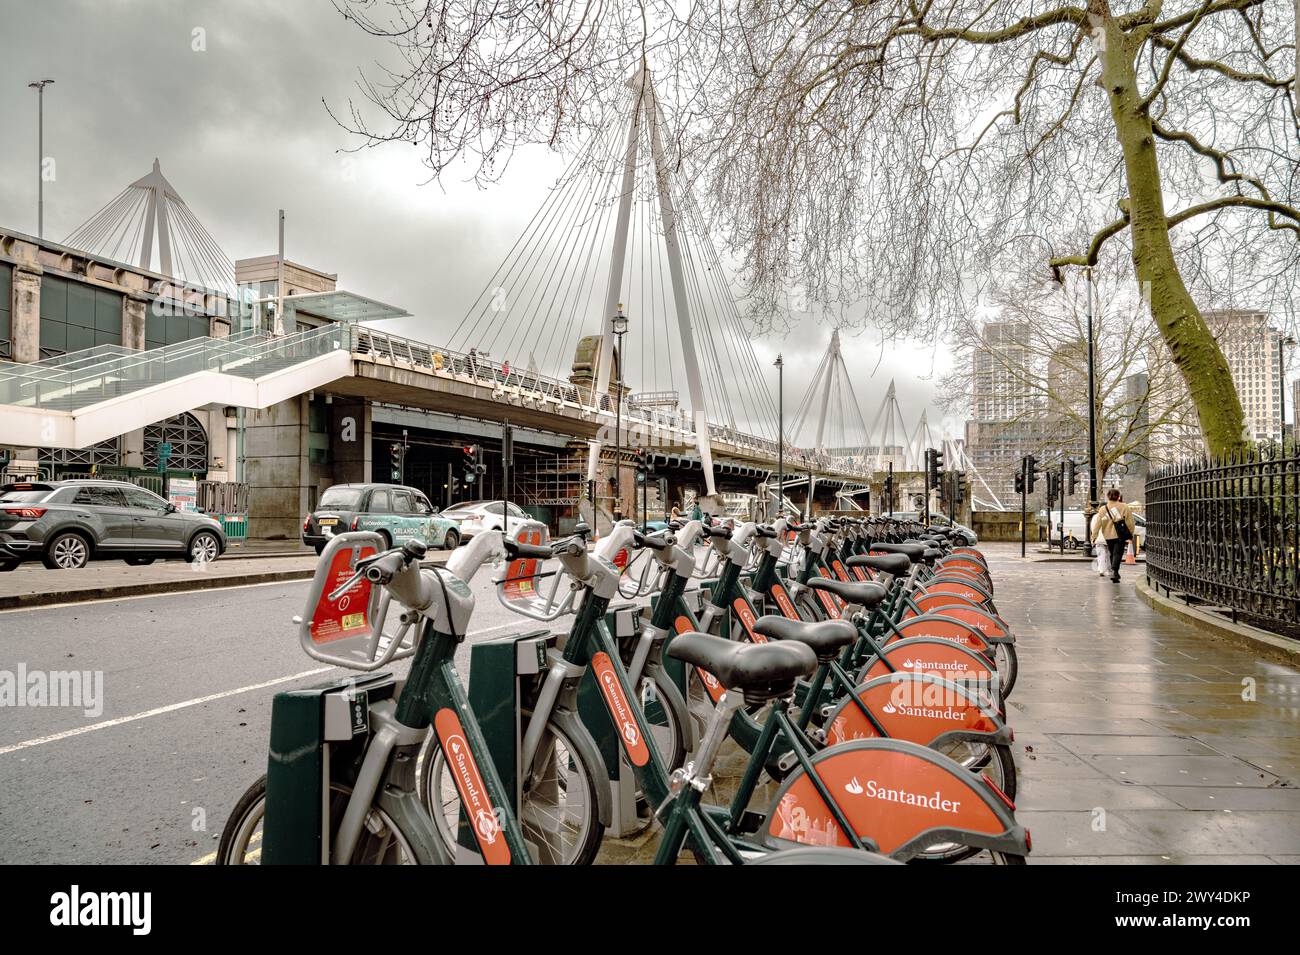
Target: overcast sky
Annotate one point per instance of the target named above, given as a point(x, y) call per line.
point(241, 131)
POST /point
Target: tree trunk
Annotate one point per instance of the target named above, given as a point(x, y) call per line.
point(1192, 346)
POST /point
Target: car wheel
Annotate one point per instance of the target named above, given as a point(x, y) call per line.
point(452, 540)
point(8, 565)
point(385, 541)
point(139, 561)
point(66, 551)
point(204, 547)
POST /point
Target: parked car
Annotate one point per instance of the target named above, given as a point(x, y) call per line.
point(67, 524)
point(969, 537)
point(393, 511)
point(477, 516)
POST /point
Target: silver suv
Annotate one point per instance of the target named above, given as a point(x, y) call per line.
point(67, 524)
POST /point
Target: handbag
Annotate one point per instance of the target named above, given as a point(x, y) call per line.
point(1121, 527)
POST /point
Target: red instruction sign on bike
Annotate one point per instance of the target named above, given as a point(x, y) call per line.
point(348, 616)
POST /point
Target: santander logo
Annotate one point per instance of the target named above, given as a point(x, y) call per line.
point(934, 800)
point(619, 709)
point(470, 786)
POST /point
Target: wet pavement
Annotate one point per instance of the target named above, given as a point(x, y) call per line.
point(1139, 739)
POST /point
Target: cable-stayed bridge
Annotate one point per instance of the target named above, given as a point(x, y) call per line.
point(611, 320)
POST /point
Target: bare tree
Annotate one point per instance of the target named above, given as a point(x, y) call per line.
point(898, 155)
point(1039, 370)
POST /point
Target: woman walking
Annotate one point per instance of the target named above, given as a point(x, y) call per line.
point(1115, 522)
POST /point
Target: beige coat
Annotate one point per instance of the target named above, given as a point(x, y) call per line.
point(1111, 512)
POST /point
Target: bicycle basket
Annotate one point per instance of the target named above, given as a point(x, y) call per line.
point(347, 629)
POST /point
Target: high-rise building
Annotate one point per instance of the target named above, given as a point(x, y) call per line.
point(1253, 350)
point(999, 368)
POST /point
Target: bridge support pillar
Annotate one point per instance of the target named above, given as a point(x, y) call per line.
point(25, 333)
point(134, 307)
point(350, 441)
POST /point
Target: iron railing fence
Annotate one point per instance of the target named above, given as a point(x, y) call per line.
point(1226, 531)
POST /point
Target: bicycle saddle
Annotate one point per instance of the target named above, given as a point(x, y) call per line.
point(911, 550)
point(761, 671)
point(896, 565)
point(825, 637)
point(864, 594)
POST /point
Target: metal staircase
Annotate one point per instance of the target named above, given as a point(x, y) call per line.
point(77, 399)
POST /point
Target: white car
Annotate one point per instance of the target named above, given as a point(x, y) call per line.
point(1076, 528)
point(476, 516)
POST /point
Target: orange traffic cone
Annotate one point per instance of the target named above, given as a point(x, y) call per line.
point(1130, 554)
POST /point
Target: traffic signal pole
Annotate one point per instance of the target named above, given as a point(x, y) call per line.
point(1060, 484)
point(1024, 484)
point(507, 463)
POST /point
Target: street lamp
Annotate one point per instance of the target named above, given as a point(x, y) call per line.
point(39, 86)
point(780, 433)
point(1283, 342)
point(619, 324)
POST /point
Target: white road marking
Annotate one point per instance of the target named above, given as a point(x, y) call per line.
point(158, 711)
point(184, 704)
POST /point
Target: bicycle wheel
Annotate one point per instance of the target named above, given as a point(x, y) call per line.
point(1004, 655)
point(381, 842)
point(665, 711)
point(557, 812)
point(997, 764)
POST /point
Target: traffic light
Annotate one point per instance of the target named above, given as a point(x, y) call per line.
point(472, 461)
point(934, 468)
point(395, 461)
point(1071, 476)
point(1052, 489)
point(1020, 479)
point(1031, 473)
point(641, 461)
point(959, 487)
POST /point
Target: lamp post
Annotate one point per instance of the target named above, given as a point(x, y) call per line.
point(780, 433)
point(1092, 411)
point(619, 324)
point(39, 86)
point(1283, 342)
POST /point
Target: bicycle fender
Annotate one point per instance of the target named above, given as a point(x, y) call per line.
point(931, 655)
point(940, 626)
point(398, 797)
point(990, 626)
point(901, 795)
point(572, 724)
point(912, 706)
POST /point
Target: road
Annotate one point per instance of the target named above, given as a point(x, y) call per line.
point(187, 686)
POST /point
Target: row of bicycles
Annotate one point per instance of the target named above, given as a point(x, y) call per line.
point(851, 673)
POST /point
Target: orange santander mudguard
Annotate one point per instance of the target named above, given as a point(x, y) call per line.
point(901, 796)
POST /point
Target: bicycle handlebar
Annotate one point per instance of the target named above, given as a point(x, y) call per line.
point(516, 550)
